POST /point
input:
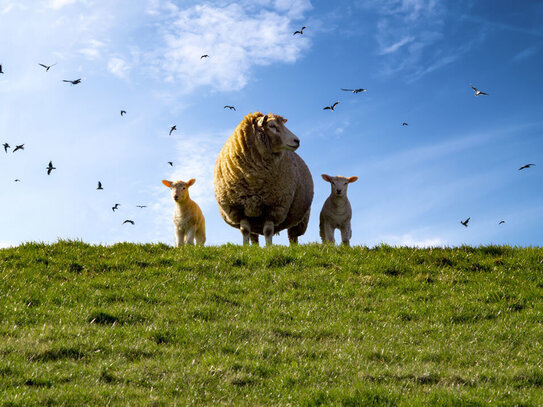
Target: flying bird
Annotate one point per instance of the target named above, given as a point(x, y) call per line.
point(99, 185)
point(465, 222)
point(230, 107)
point(115, 207)
point(141, 206)
point(6, 146)
point(204, 56)
point(477, 91)
point(174, 127)
point(74, 82)
point(129, 221)
point(355, 91)
point(501, 221)
point(301, 31)
point(47, 67)
point(19, 147)
point(1, 69)
point(526, 166)
point(50, 168)
point(330, 107)
point(171, 163)
point(17, 180)
point(405, 124)
point(123, 112)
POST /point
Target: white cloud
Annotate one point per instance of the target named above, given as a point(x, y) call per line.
point(4, 244)
point(235, 37)
point(92, 51)
point(413, 241)
point(57, 4)
point(118, 67)
point(397, 45)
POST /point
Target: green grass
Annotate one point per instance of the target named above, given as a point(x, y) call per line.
point(309, 325)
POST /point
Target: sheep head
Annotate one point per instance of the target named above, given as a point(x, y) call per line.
point(339, 184)
point(273, 136)
point(179, 189)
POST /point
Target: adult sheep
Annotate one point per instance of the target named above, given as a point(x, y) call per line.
point(261, 185)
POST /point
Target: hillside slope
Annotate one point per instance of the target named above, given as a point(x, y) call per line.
point(308, 325)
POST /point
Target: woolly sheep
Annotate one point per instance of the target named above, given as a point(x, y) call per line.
point(188, 219)
point(336, 212)
point(261, 185)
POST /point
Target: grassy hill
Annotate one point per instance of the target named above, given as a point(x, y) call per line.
point(308, 325)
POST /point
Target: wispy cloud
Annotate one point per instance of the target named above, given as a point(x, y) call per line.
point(235, 38)
point(57, 4)
point(397, 45)
point(118, 67)
point(412, 241)
point(5, 244)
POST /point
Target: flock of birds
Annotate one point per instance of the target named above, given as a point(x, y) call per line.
point(50, 167)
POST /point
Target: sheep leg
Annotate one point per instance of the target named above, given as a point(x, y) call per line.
point(245, 228)
point(268, 232)
point(329, 234)
point(179, 238)
point(200, 237)
point(298, 230)
point(254, 239)
point(346, 234)
point(189, 237)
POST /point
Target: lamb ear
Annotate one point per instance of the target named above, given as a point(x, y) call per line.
point(352, 179)
point(326, 177)
point(190, 182)
point(167, 183)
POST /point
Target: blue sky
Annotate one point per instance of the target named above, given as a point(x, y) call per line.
point(458, 157)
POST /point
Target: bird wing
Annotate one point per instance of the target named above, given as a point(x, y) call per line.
point(482, 93)
point(45, 66)
point(327, 107)
point(65, 80)
point(474, 88)
point(348, 90)
point(335, 104)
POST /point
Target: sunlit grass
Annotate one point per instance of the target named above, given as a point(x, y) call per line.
point(308, 325)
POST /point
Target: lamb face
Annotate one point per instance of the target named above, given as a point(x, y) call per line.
point(179, 189)
point(274, 135)
point(339, 184)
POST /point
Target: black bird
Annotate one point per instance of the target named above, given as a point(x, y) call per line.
point(204, 56)
point(229, 107)
point(526, 166)
point(301, 31)
point(47, 67)
point(1, 69)
point(477, 91)
point(50, 168)
point(123, 112)
point(6, 146)
point(174, 127)
point(115, 207)
point(129, 221)
point(465, 223)
point(19, 147)
point(17, 180)
point(330, 107)
point(141, 206)
point(501, 221)
point(99, 185)
point(171, 163)
point(74, 82)
point(355, 91)
point(405, 124)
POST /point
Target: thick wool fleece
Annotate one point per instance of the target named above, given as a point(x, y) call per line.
point(252, 182)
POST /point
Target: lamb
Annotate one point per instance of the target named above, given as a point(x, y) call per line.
point(336, 212)
point(261, 185)
point(188, 219)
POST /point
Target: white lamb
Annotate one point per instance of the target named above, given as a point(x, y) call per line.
point(188, 218)
point(336, 212)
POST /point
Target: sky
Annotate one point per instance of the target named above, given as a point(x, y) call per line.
point(458, 157)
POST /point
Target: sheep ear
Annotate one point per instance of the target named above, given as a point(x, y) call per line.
point(190, 182)
point(284, 120)
point(167, 183)
point(261, 122)
point(352, 179)
point(326, 177)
